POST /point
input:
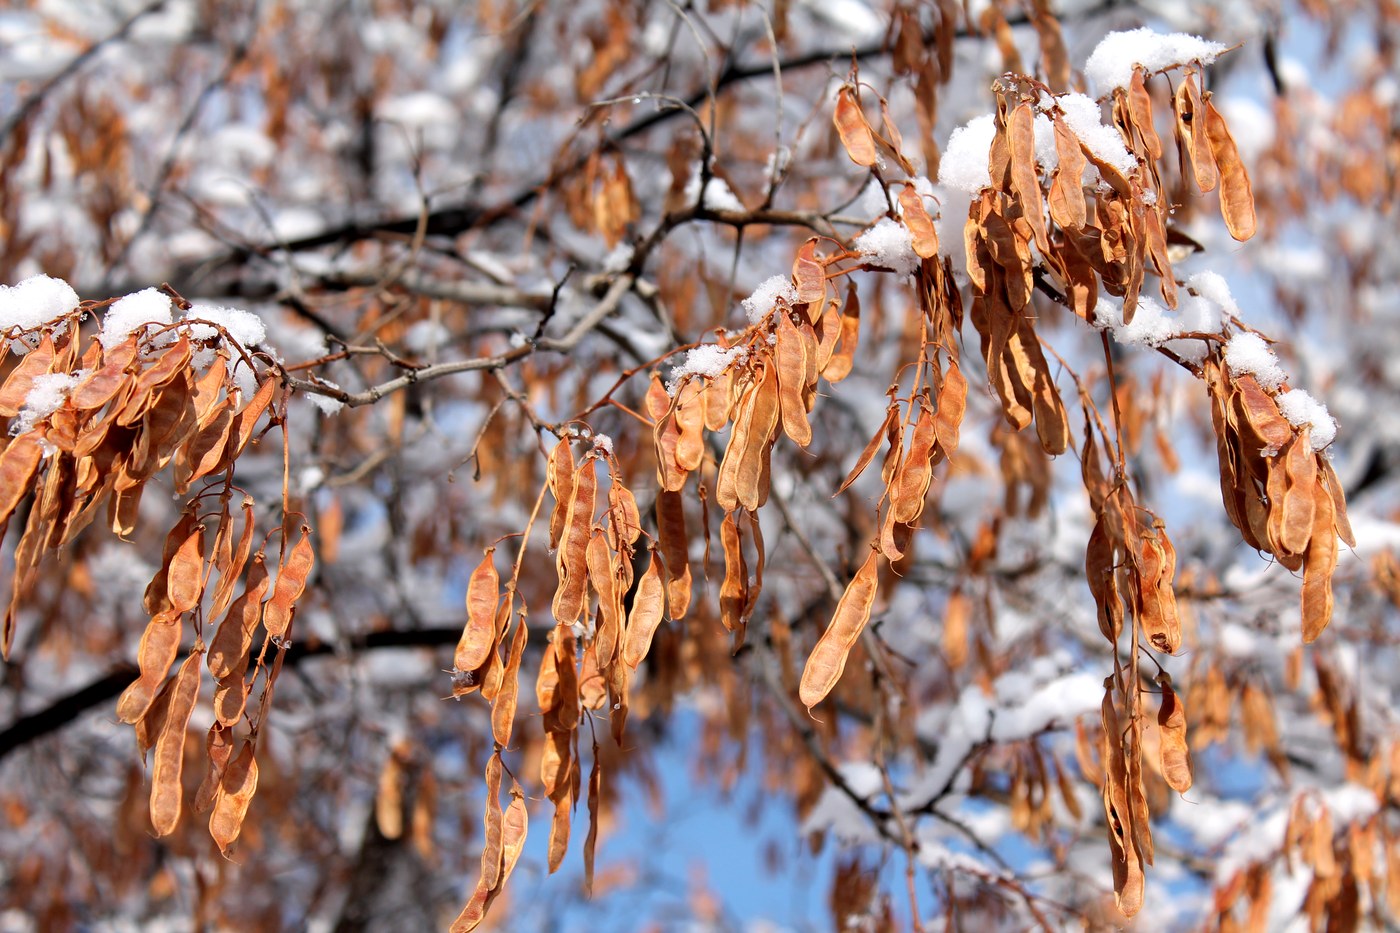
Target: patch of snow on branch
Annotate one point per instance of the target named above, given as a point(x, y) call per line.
point(709, 361)
point(757, 305)
point(46, 396)
point(37, 300)
point(964, 162)
point(1301, 410)
point(1085, 119)
point(890, 244)
point(327, 405)
point(1111, 63)
point(718, 195)
point(1154, 325)
point(134, 312)
point(1212, 287)
point(1248, 354)
point(246, 328)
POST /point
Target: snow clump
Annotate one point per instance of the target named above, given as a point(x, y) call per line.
point(1249, 355)
point(1302, 410)
point(890, 244)
point(757, 305)
point(37, 300)
point(46, 396)
point(708, 360)
point(135, 312)
point(246, 328)
point(964, 162)
point(1111, 63)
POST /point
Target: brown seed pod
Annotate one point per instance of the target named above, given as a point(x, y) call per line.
point(236, 790)
point(828, 658)
point(479, 634)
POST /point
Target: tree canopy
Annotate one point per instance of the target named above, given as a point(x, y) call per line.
point(909, 420)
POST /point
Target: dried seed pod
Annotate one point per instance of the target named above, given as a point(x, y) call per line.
point(167, 788)
point(1328, 477)
point(790, 358)
point(647, 610)
point(603, 574)
point(160, 643)
point(916, 218)
point(750, 481)
point(624, 518)
point(184, 579)
point(595, 788)
point(1296, 508)
point(479, 634)
point(674, 547)
point(854, 130)
point(565, 713)
point(1139, 106)
point(911, 481)
point(236, 790)
point(1318, 566)
point(733, 593)
point(219, 749)
point(559, 474)
point(688, 415)
point(1236, 193)
point(102, 385)
point(20, 381)
point(841, 357)
point(727, 481)
point(572, 558)
point(241, 430)
point(503, 707)
point(1066, 199)
point(1126, 860)
point(809, 276)
point(291, 583)
point(18, 465)
point(828, 658)
point(717, 402)
point(231, 569)
point(1191, 131)
point(891, 421)
point(205, 450)
point(1025, 183)
point(1171, 720)
point(235, 635)
point(494, 818)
